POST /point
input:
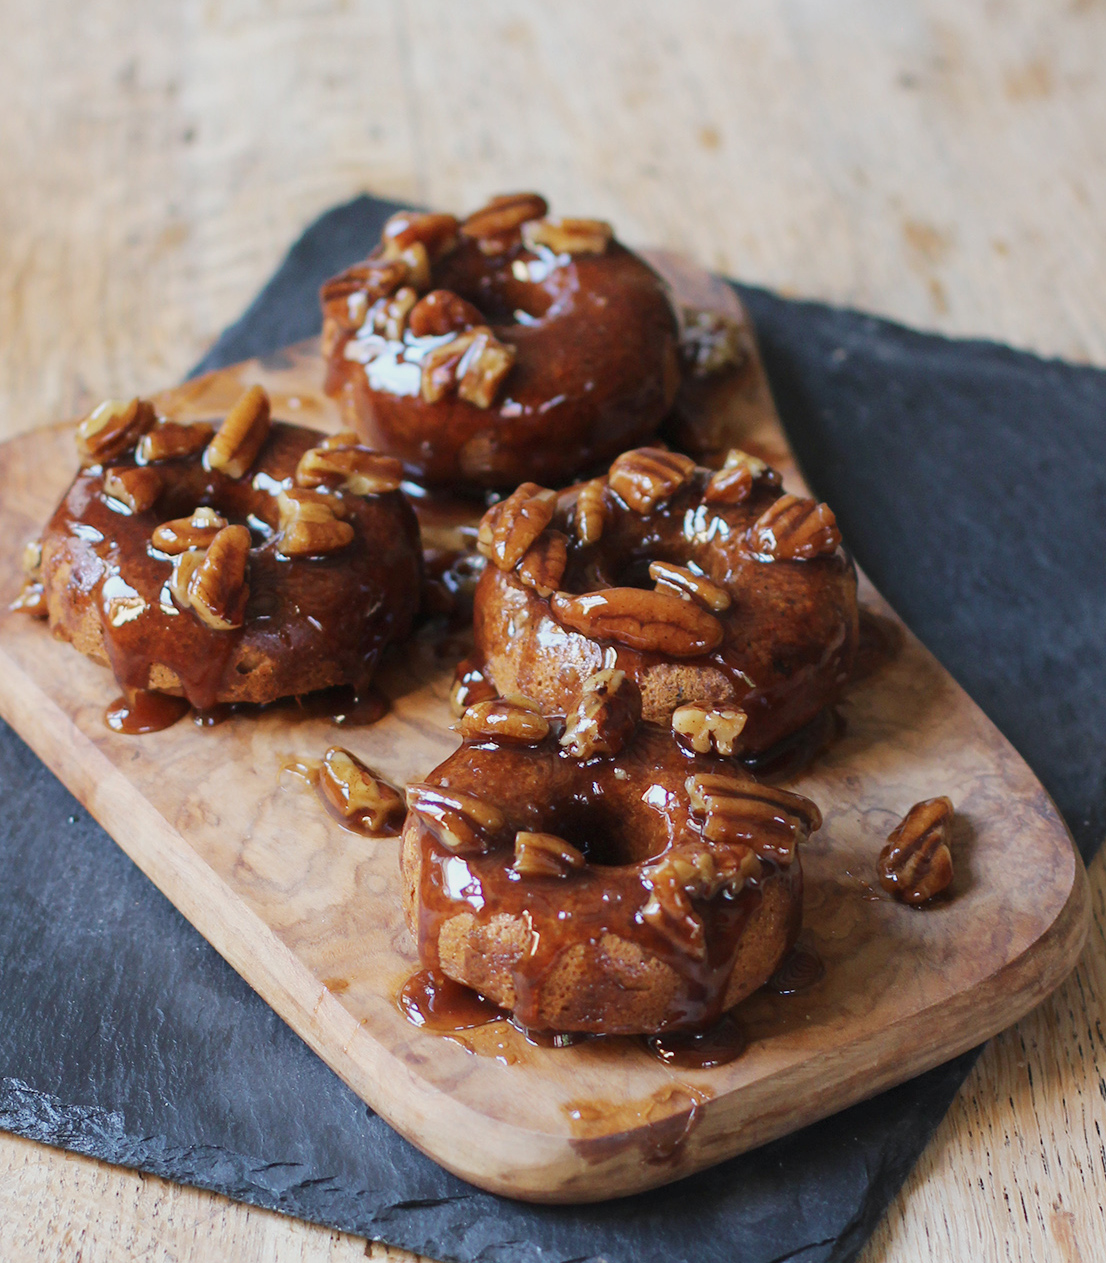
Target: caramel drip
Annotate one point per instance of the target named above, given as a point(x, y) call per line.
point(718, 1045)
point(436, 1003)
point(143, 711)
point(799, 970)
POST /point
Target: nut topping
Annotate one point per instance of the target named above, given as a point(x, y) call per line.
point(683, 582)
point(470, 685)
point(31, 559)
point(32, 599)
point(374, 278)
point(356, 794)
point(772, 821)
point(112, 428)
point(590, 515)
point(460, 822)
point(436, 233)
point(543, 566)
point(511, 720)
point(234, 449)
point(605, 717)
point(654, 622)
point(136, 486)
point(184, 567)
point(733, 483)
point(568, 236)
point(173, 440)
point(474, 364)
point(545, 855)
point(707, 730)
point(351, 468)
point(916, 863)
point(217, 589)
point(494, 227)
point(308, 524)
point(649, 475)
point(182, 533)
point(390, 314)
point(692, 871)
point(509, 528)
point(795, 529)
point(710, 342)
point(441, 312)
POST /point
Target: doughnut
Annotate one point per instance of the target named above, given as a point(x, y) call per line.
point(503, 347)
point(714, 591)
point(594, 875)
point(240, 565)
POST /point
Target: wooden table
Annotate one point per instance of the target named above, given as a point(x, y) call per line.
point(939, 161)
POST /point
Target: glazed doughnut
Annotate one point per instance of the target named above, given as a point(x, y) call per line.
point(504, 347)
point(705, 587)
point(242, 565)
point(601, 877)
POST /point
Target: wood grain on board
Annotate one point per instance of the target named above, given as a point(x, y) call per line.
point(310, 915)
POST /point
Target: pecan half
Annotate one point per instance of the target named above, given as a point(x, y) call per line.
point(474, 364)
point(734, 482)
point(543, 566)
point(647, 476)
point(173, 440)
point(654, 622)
point(184, 567)
point(217, 588)
point(112, 428)
point(351, 468)
point(710, 342)
point(470, 685)
point(509, 528)
point(795, 529)
point(347, 296)
point(182, 533)
point(568, 236)
point(512, 720)
point(441, 312)
point(692, 872)
point(683, 582)
point(460, 822)
point(309, 526)
point(770, 820)
point(708, 730)
point(32, 599)
point(606, 715)
point(357, 794)
point(916, 863)
point(390, 315)
point(435, 232)
point(136, 486)
point(495, 226)
point(590, 514)
point(545, 855)
point(246, 427)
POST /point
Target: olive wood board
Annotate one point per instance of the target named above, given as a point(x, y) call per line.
point(309, 914)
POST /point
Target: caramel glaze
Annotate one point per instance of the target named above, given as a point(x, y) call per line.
point(309, 624)
point(790, 635)
point(144, 712)
point(435, 1002)
point(718, 1045)
point(619, 812)
point(595, 372)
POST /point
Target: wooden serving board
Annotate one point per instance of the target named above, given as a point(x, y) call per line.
point(309, 914)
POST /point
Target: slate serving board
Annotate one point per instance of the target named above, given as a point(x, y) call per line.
point(123, 1034)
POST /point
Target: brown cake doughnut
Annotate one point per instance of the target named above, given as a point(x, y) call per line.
point(240, 566)
point(504, 347)
point(711, 588)
point(600, 878)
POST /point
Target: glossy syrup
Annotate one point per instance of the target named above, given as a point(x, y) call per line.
point(432, 1001)
point(143, 711)
point(718, 1045)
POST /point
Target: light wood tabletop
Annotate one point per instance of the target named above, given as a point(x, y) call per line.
point(942, 162)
